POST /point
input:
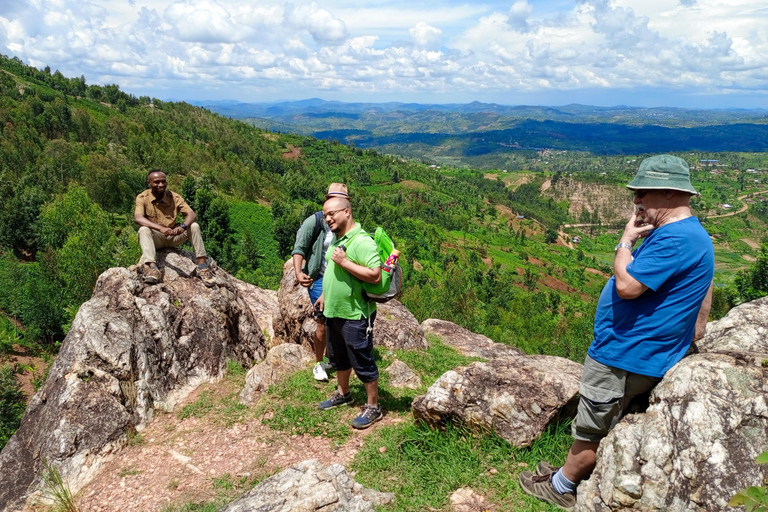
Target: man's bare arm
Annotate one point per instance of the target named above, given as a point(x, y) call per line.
point(627, 287)
point(701, 320)
point(190, 218)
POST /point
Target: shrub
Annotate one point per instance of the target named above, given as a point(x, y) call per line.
point(12, 404)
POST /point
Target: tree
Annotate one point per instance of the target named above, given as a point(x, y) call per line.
point(752, 284)
point(12, 404)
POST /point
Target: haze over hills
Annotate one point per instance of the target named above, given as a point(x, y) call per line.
point(463, 131)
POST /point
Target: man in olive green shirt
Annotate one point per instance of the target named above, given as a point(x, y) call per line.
point(352, 259)
point(308, 255)
point(155, 212)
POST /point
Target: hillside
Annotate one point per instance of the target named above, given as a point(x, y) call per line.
point(462, 134)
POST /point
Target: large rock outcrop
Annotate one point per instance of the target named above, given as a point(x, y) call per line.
point(467, 343)
point(310, 486)
point(294, 321)
point(132, 348)
point(280, 361)
point(515, 396)
point(695, 446)
point(395, 326)
point(263, 306)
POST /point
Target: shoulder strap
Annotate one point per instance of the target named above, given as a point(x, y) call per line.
point(318, 227)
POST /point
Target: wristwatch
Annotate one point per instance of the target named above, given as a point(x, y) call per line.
point(183, 226)
point(622, 244)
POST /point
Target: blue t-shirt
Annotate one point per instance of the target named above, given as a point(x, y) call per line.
point(652, 332)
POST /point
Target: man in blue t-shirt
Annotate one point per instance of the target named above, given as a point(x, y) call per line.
point(655, 304)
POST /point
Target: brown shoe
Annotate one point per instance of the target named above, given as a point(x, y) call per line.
point(152, 275)
point(545, 468)
point(206, 276)
point(540, 486)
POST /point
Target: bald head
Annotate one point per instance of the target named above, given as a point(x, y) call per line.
point(338, 215)
point(336, 203)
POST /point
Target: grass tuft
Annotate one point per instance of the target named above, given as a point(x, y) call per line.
point(57, 490)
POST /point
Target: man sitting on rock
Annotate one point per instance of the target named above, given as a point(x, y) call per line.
point(308, 256)
point(156, 211)
point(655, 304)
point(349, 318)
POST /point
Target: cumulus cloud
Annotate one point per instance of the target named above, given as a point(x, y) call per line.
point(324, 26)
point(518, 15)
point(425, 36)
point(246, 48)
point(203, 21)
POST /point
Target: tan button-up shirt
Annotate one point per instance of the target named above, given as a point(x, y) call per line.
point(161, 211)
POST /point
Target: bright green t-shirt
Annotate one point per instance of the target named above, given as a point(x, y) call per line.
point(342, 292)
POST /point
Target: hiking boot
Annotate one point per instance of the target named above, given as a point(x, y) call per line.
point(545, 468)
point(319, 372)
point(336, 400)
point(540, 486)
point(206, 276)
point(368, 416)
point(152, 275)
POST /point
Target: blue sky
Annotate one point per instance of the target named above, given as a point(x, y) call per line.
point(687, 53)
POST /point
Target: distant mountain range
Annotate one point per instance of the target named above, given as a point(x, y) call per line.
point(485, 128)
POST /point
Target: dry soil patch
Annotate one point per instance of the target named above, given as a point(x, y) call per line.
point(178, 460)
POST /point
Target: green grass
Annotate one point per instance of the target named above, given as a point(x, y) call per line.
point(433, 362)
point(423, 466)
point(199, 408)
point(227, 489)
point(57, 490)
point(223, 408)
point(211, 506)
point(129, 471)
point(291, 406)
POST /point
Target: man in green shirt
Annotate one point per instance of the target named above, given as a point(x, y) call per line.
point(351, 260)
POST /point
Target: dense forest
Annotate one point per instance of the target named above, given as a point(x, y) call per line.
point(477, 250)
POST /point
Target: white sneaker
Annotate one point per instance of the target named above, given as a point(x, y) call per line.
point(319, 372)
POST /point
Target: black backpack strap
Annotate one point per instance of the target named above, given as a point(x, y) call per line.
point(318, 227)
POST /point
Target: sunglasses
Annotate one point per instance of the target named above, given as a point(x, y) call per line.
point(640, 193)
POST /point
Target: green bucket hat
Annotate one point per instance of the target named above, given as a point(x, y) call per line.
point(663, 172)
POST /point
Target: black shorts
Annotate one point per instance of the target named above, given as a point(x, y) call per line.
point(350, 345)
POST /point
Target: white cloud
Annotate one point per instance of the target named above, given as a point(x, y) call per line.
point(425, 36)
point(324, 26)
point(473, 51)
point(518, 15)
point(203, 21)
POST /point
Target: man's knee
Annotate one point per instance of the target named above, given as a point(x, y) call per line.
point(194, 227)
point(144, 231)
point(595, 418)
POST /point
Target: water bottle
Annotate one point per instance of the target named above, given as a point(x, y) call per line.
point(391, 261)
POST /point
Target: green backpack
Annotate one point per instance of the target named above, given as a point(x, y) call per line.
point(391, 273)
